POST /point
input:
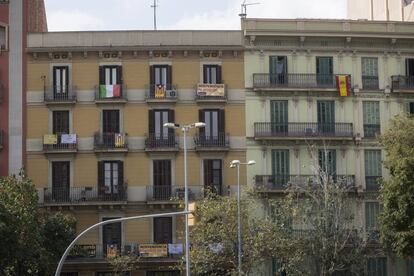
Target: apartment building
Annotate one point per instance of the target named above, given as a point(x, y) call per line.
point(390, 10)
point(17, 18)
point(332, 85)
point(96, 143)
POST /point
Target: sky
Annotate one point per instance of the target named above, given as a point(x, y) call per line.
point(82, 15)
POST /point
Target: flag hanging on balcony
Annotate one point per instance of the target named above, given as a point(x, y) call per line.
point(119, 140)
point(343, 83)
point(110, 91)
point(160, 91)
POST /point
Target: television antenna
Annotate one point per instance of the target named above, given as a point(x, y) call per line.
point(243, 13)
point(154, 6)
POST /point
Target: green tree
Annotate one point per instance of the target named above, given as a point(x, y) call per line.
point(397, 193)
point(32, 241)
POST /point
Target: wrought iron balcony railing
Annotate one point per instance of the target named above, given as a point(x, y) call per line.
point(60, 93)
point(372, 130)
point(63, 143)
point(110, 93)
point(280, 182)
point(167, 92)
point(372, 183)
point(76, 195)
point(310, 81)
point(370, 82)
point(156, 141)
point(402, 82)
point(174, 193)
point(212, 141)
point(306, 130)
point(110, 141)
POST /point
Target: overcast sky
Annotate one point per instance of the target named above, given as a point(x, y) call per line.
point(76, 15)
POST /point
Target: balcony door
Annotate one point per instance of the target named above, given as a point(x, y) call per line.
point(163, 230)
point(61, 181)
point(213, 175)
point(213, 133)
point(279, 117)
point(110, 126)
point(161, 179)
point(324, 71)
point(110, 75)
point(110, 179)
point(158, 134)
point(326, 117)
point(60, 82)
point(409, 72)
point(212, 74)
point(111, 237)
point(280, 167)
point(327, 161)
point(278, 70)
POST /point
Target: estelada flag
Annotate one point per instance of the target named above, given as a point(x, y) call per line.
point(343, 83)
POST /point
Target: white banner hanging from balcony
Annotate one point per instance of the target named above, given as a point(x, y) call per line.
point(210, 90)
point(175, 248)
point(68, 139)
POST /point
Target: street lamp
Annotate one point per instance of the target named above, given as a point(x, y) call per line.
point(185, 129)
point(236, 164)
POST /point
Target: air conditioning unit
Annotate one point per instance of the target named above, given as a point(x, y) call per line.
point(171, 93)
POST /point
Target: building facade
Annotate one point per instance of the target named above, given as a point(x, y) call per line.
point(293, 102)
point(385, 10)
point(96, 143)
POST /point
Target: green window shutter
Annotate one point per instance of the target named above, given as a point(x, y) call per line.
point(369, 66)
point(280, 162)
point(279, 112)
point(326, 111)
point(372, 210)
point(371, 112)
point(373, 163)
point(327, 161)
point(377, 266)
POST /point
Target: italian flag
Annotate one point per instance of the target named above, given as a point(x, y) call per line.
point(110, 91)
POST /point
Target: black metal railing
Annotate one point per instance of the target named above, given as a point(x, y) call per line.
point(372, 130)
point(60, 93)
point(174, 193)
point(210, 141)
point(101, 96)
point(303, 129)
point(372, 183)
point(370, 82)
point(62, 144)
point(157, 141)
point(294, 80)
point(402, 82)
point(84, 194)
point(104, 141)
point(280, 182)
point(162, 92)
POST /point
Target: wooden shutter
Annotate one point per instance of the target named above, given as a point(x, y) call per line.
point(120, 173)
point(207, 172)
point(151, 121)
point(221, 121)
point(205, 68)
point(201, 119)
point(171, 119)
point(119, 75)
point(101, 174)
point(101, 75)
point(152, 75)
point(218, 76)
point(169, 75)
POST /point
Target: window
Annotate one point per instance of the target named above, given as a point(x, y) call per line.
point(60, 123)
point(163, 230)
point(61, 181)
point(324, 71)
point(110, 121)
point(213, 175)
point(372, 210)
point(214, 120)
point(277, 268)
point(111, 237)
point(110, 75)
point(278, 69)
point(212, 74)
point(373, 170)
point(410, 108)
point(161, 179)
point(377, 267)
point(161, 75)
point(409, 72)
point(60, 82)
point(3, 35)
point(280, 167)
point(326, 117)
point(157, 132)
point(410, 267)
point(369, 73)
point(110, 179)
point(327, 161)
point(371, 118)
point(279, 116)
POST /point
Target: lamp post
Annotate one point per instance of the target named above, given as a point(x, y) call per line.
point(185, 129)
point(236, 164)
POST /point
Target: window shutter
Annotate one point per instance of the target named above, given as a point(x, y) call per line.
point(205, 73)
point(67, 76)
point(171, 119)
point(201, 119)
point(151, 121)
point(207, 171)
point(100, 174)
point(119, 75)
point(152, 75)
point(169, 75)
point(120, 173)
point(218, 77)
point(101, 75)
point(221, 121)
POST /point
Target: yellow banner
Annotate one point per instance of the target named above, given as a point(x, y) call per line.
point(153, 250)
point(50, 139)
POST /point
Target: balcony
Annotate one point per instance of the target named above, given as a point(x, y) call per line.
point(82, 195)
point(206, 93)
point(372, 183)
point(278, 183)
point(278, 131)
point(370, 83)
point(1, 139)
point(60, 94)
point(154, 142)
point(110, 94)
point(162, 93)
point(372, 130)
point(163, 193)
point(60, 143)
point(402, 83)
point(212, 143)
point(110, 142)
point(145, 251)
point(294, 81)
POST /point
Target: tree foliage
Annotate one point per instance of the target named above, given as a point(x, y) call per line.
point(397, 193)
point(31, 241)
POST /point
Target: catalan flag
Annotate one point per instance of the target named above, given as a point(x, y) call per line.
point(119, 140)
point(343, 83)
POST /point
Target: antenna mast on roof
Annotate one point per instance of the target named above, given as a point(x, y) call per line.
point(243, 13)
point(155, 14)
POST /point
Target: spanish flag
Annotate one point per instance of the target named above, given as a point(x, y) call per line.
point(343, 83)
